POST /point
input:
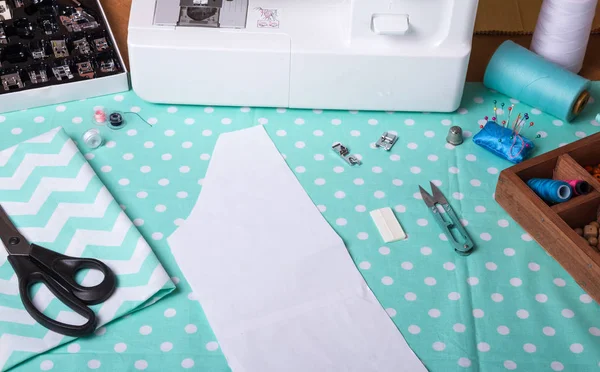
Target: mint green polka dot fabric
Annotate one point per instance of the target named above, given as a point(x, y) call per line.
point(507, 306)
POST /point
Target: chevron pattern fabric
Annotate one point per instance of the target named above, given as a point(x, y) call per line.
point(56, 200)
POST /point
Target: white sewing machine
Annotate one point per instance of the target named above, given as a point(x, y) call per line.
point(403, 55)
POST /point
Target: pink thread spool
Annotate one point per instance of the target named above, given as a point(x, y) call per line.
point(579, 187)
point(100, 116)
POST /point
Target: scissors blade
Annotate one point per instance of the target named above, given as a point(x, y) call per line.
point(14, 242)
point(428, 199)
point(437, 194)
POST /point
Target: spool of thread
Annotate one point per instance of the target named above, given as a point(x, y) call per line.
point(563, 31)
point(116, 120)
point(92, 138)
point(579, 187)
point(552, 191)
point(522, 74)
point(100, 116)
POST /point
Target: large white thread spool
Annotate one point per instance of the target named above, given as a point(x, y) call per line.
point(563, 31)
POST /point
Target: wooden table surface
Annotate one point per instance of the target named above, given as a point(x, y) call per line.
point(484, 46)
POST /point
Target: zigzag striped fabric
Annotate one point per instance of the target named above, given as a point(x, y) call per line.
point(56, 200)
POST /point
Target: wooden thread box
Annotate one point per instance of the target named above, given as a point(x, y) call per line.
point(552, 226)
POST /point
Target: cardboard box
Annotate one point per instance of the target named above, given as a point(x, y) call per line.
point(70, 91)
point(513, 17)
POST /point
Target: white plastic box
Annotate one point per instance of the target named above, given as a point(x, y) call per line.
point(64, 92)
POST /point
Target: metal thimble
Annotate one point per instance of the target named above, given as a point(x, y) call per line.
point(455, 136)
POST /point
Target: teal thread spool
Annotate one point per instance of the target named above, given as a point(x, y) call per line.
point(519, 73)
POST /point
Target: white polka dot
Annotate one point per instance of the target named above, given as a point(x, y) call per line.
point(409, 122)
point(485, 236)
point(472, 280)
point(497, 297)
point(463, 111)
point(391, 312)
point(209, 110)
point(172, 110)
point(184, 169)
point(212, 346)
point(492, 170)
point(106, 168)
point(454, 296)
point(142, 194)
point(514, 101)
point(540, 297)
point(535, 111)
point(594, 331)
point(443, 237)
point(595, 123)
point(484, 347)
point(187, 363)
point(138, 222)
point(523, 314)
point(145, 169)
point(338, 169)
point(478, 100)
point(169, 313)
point(111, 144)
point(94, 364)
point(16, 131)
point(557, 366)
point(542, 134)
point(453, 170)
point(166, 347)
point(386, 280)
point(412, 146)
point(406, 265)
point(410, 296)
point(430, 281)
point(179, 221)
point(281, 133)
point(458, 195)
point(503, 330)
point(73, 348)
point(135, 109)
point(509, 252)
point(204, 157)
point(360, 208)
point(263, 121)
point(482, 122)
point(152, 121)
point(190, 328)
point(77, 120)
point(187, 144)
point(549, 331)
point(148, 144)
point(46, 365)
point(355, 133)
point(414, 329)
point(415, 170)
point(449, 146)
point(141, 365)
point(446, 122)
point(438, 346)
point(207, 133)
point(559, 282)
point(567, 313)
point(429, 134)
point(478, 313)
point(533, 266)
point(459, 327)
point(320, 181)
point(340, 194)
point(160, 208)
point(426, 251)
point(475, 183)
point(449, 266)
point(145, 330)
point(464, 362)
point(362, 236)
point(585, 298)
point(128, 156)
point(123, 182)
point(300, 145)
point(365, 265)
point(39, 119)
point(157, 236)
point(397, 182)
point(336, 122)
point(503, 223)
point(434, 313)
point(576, 348)
point(580, 134)
point(510, 365)
point(529, 348)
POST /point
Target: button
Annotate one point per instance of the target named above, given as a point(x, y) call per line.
point(390, 24)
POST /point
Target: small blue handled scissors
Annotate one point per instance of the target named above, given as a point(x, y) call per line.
point(34, 264)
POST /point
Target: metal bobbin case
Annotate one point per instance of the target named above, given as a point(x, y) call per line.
point(455, 136)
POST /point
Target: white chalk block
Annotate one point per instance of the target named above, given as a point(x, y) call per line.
point(388, 225)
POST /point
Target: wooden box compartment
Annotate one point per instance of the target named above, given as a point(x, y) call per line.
point(552, 225)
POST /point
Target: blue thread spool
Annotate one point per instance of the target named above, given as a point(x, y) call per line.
point(519, 73)
point(552, 191)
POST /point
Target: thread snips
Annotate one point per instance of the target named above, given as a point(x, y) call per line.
point(450, 225)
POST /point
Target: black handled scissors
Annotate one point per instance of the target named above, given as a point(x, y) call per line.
point(34, 264)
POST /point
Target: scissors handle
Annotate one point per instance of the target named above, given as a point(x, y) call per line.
point(29, 274)
point(64, 268)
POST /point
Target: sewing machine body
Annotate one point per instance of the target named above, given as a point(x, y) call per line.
point(403, 55)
